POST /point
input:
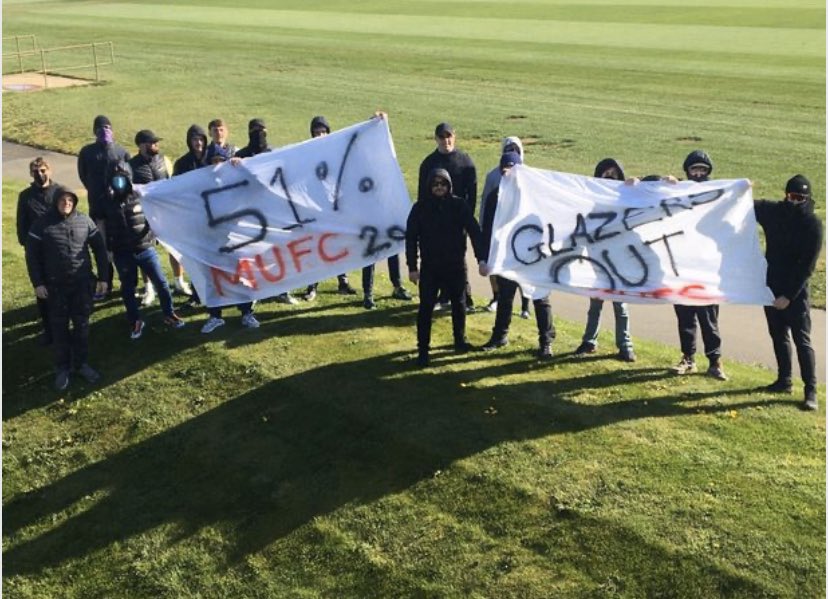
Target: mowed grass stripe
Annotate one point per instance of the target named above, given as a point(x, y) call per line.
point(627, 12)
point(750, 40)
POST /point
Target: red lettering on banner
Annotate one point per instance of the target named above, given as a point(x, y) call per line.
point(324, 255)
point(244, 274)
point(296, 253)
point(692, 292)
point(277, 254)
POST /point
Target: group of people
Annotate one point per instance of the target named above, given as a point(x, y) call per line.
point(58, 238)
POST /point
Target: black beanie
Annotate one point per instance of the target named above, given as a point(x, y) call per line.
point(319, 122)
point(100, 122)
point(798, 184)
point(698, 157)
point(256, 124)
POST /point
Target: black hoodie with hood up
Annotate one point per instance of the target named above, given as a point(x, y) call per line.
point(793, 241)
point(57, 248)
point(189, 161)
point(436, 225)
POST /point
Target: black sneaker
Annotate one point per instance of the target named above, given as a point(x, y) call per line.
point(544, 352)
point(368, 303)
point(346, 289)
point(401, 293)
point(463, 347)
point(61, 380)
point(778, 386)
point(626, 355)
point(90, 374)
point(422, 360)
point(585, 348)
point(493, 344)
point(810, 404)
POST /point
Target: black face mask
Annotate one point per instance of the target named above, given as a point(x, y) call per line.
point(40, 179)
point(797, 207)
point(258, 139)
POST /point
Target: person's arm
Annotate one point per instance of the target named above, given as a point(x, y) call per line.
point(412, 239)
point(472, 228)
point(96, 242)
point(23, 224)
point(802, 270)
point(489, 208)
point(762, 209)
point(471, 186)
point(34, 259)
point(82, 172)
point(421, 182)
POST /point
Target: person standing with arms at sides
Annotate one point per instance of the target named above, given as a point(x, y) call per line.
point(319, 127)
point(132, 244)
point(506, 287)
point(57, 258)
point(463, 175)
point(608, 168)
point(219, 138)
point(698, 167)
point(793, 241)
point(32, 203)
point(95, 162)
point(436, 238)
point(509, 144)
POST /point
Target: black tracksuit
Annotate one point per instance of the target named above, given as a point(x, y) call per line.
point(506, 288)
point(435, 230)
point(57, 257)
point(32, 203)
point(793, 241)
point(464, 184)
point(95, 164)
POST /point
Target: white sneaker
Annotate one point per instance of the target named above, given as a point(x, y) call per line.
point(249, 321)
point(492, 307)
point(149, 296)
point(182, 287)
point(212, 324)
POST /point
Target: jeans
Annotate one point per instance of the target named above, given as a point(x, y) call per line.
point(622, 324)
point(127, 264)
point(794, 321)
point(393, 272)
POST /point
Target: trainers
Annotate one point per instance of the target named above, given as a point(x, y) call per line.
point(463, 347)
point(310, 295)
point(174, 321)
point(442, 306)
point(716, 371)
point(524, 314)
point(286, 298)
point(90, 374)
point(493, 344)
point(545, 352)
point(368, 303)
point(346, 289)
point(470, 310)
point(137, 329)
point(249, 321)
point(810, 403)
point(422, 360)
point(778, 386)
point(149, 296)
point(492, 306)
point(182, 287)
point(585, 348)
point(686, 366)
point(626, 355)
point(401, 293)
point(212, 324)
point(62, 380)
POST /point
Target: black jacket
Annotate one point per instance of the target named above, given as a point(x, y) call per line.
point(463, 175)
point(435, 227)
point(95, 163)
point(32, 203)
point(127, 229)
point(57, 248)
point(148, 170)
point(489, 208)
point(793, 241)
point(189, 161)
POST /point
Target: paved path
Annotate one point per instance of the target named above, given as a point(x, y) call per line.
point(744, 333)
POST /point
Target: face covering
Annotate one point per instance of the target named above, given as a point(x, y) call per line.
point(258, 139)
point(41, 178)
point(105, 135)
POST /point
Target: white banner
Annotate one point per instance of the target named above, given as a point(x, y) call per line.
point(686, 243)
point(284, 219)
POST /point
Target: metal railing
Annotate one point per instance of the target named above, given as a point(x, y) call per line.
point(101, 54)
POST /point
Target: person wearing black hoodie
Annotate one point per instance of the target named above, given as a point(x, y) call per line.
point(506, 288)
point(196, 155)
point(463, 173)
point(436, 238)
point(257, 139)
point(608, 168)
point(793, 241)
point(57, 259)
point(697, 167)
point(32, 203)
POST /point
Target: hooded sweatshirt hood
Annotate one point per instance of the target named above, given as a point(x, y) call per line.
point(606, 164)
point(698, 157)
point(443, 174)
point(512, 141)
point(319, 122)
point(800, 184)
point(196, 131)
point(62, 190)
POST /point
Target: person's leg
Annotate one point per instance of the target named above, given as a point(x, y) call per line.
point(623, 341)
point(778, 330)
point(455, 283)
point(394, 271)
point(799, 319)
point(590, 336)
point(368, 287)
point(428, 298)
point(546, 330)
point(506, 290)
point(80, 309)
point(686, 316)
point(150, 263)
point(43, 309)
point(127, 268)
point(59, 323)
point(709, 325)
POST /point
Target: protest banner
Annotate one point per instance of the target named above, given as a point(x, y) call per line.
point(654, 242)
point(284, 219)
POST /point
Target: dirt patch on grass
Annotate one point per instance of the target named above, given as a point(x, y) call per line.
point(29, 82)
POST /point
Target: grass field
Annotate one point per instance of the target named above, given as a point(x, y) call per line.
point(307, 458)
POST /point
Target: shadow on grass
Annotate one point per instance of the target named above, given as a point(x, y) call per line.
point(270, 460)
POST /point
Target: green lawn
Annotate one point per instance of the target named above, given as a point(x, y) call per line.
point(309, 458)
